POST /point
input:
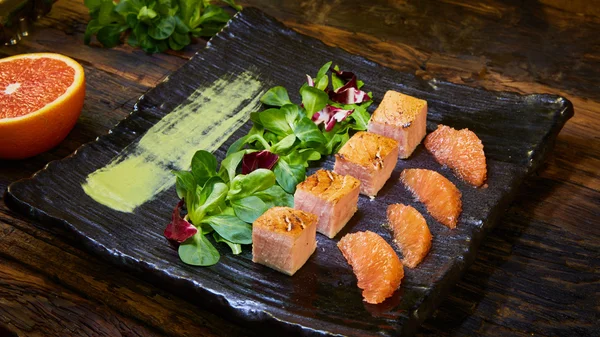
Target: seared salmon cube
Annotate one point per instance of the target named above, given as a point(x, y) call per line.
point(368, 157)
point(284, 238)
point(401, 117)
point(331, 197)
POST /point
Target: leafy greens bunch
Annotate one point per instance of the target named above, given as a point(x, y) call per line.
point(293, 131)
point(154, 25)
point(273, 157)
point(221, 202)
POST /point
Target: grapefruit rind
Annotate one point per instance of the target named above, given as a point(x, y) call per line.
point(36, 132)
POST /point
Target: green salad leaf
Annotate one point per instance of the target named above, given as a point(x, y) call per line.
point(230, 164)
point(308, 132)
point(289, 175)
point(284, 145)
point(231, 228)
point(276, 96)
point(313, 99)
point(275, 196)
point(236, 248)
point(244, 185)
point(249, 208)
point(184, 182)
point(198, 251)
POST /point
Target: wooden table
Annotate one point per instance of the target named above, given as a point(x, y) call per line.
point(538, 272)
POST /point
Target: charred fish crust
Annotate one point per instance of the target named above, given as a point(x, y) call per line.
point(378, 160)
point(288, 222)
point(298, 221)
point(322, 182)
point(310, 184)
point(272, 225)
point(364, 145)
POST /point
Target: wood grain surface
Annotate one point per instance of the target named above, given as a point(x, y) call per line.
point(537, 273)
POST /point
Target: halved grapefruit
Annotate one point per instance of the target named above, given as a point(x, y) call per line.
point(375, 264)
point(41, 97)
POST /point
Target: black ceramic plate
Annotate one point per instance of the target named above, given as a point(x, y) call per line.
point(322, 298)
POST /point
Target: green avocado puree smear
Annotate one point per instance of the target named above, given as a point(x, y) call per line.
point(143, 169)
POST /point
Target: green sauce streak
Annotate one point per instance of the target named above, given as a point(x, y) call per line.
point(142, 170)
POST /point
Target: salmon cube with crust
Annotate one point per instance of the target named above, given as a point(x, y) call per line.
point(330, 196)
point(284, 238)
point(401, 117)
point(368, 157)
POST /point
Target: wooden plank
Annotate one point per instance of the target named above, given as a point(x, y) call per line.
point(31, 305)
point(525, 41)
point(55, 255)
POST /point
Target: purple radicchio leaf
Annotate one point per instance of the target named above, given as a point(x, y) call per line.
point(349, 96)
point(344, 75)
point(178, 229)
point(349, 92)
point(329, 115)
point(310, 81)
point(261, 159)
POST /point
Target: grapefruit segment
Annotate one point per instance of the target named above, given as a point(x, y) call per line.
point(411, 233)
point(375, 264)
point(460, 150)
point(440, 196)
point(41, 97)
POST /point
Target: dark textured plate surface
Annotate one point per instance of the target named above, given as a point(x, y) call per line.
point(322, 298)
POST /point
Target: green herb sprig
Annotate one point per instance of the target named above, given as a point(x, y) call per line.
point(154, 25)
